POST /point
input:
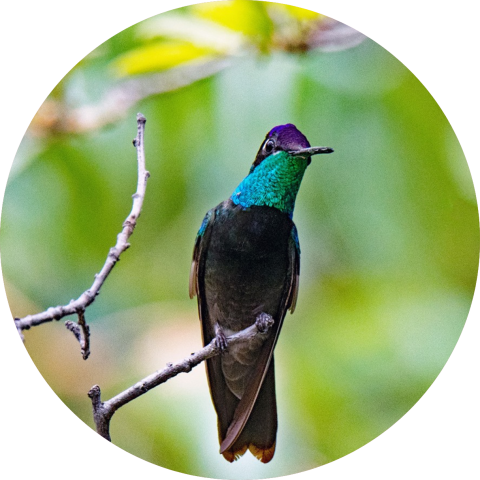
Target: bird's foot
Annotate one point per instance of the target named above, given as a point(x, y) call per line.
point(220, 339)
point(263, 322)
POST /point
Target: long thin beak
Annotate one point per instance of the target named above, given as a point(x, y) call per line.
point(308, 152)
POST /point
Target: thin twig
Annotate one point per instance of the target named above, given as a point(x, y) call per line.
point(79, 305)
point(81, 331)
point(103, 411)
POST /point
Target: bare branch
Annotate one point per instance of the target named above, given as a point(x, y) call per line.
point(103, 411)
point(79, 305)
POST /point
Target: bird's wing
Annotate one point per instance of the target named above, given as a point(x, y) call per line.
point(294, 252)
point(198, 261)
point(223, 399)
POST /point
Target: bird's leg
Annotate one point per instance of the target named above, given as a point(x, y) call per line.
point(263, 322)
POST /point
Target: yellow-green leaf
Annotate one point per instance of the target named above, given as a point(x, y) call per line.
point(158, 56)
point(297, 12)
point(193, 29)
point(247, 17)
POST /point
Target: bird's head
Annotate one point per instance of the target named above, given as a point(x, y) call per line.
point(289, 139)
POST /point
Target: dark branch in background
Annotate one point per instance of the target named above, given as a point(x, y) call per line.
point(57, 117)
point(78, 306)
point(103, 411)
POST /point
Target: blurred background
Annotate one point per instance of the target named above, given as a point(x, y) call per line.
point(388, 227)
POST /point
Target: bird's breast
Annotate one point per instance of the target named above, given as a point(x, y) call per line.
point(254, 232)
point(246, 264)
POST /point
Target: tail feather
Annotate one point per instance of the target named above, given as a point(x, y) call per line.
point(260, 431)
point(264, 455)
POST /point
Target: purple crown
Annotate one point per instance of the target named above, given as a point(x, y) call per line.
point(289, 137)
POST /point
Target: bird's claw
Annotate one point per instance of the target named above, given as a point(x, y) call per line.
point(263, 322)
point(221, 340)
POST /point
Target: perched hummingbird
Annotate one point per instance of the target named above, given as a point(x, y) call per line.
point(246, 263)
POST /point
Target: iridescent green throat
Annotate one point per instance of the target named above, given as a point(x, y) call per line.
point(273, 183)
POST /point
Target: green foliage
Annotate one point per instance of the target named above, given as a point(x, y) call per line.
point(388, 226)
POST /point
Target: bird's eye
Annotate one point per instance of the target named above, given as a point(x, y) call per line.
point(269, 146)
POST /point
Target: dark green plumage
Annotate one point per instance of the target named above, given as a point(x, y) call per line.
point(247, 261)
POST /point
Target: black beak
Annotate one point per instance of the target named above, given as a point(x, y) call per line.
point(308, 152)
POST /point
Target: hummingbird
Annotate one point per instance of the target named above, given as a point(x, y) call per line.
point(246, 263)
